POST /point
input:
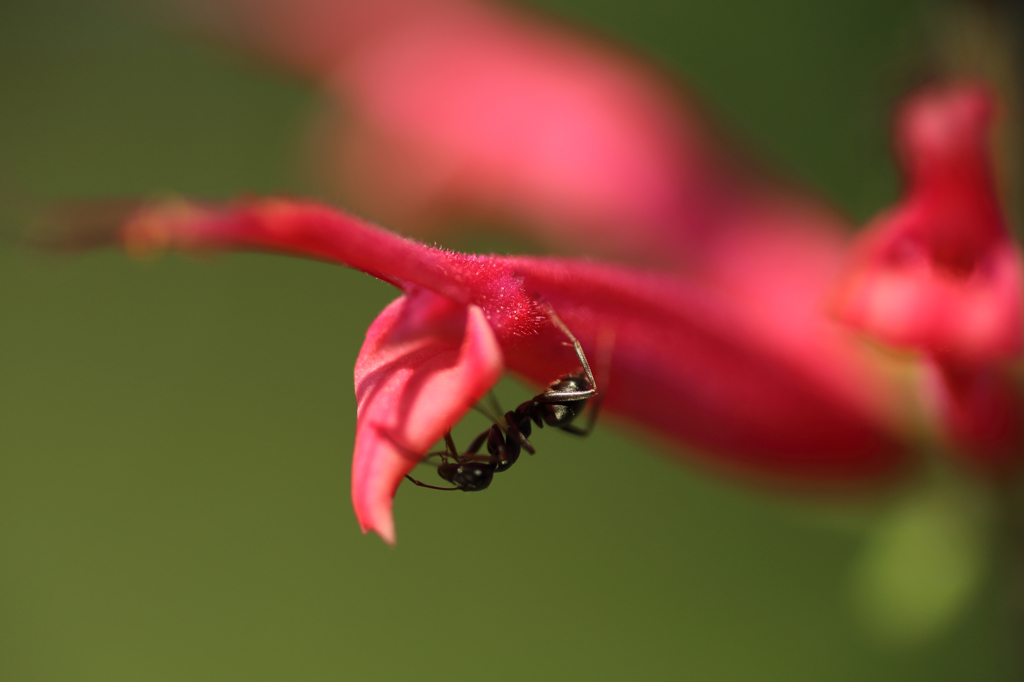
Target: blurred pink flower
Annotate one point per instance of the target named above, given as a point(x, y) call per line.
point(691, 363)
point(940, 274)
point(447, 109)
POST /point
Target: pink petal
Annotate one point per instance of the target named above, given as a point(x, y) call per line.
point(939, 273)
point(906, 300)
point(492, 114)
point(425, 362)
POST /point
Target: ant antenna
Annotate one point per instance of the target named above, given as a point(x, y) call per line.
point(552, 395)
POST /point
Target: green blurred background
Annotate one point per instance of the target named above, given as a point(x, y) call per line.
point(175, 435)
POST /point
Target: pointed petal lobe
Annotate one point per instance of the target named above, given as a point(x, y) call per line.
point(425, 362)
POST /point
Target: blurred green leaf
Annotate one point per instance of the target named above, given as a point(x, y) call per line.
point(925, 562)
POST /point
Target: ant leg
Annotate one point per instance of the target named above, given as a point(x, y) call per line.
point(442, 455)
point(444, 460)
point(474, 446)
point(424, 485)
point(606, 343)
point(550, 396)
point(506, 424)
point(591, 419)
point(515, 432)
point(470, 455)
point(450, 444)
point(450, 449)
point(557, 321)
point(410, 454)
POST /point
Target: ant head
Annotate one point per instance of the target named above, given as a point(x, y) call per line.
point(469, 476)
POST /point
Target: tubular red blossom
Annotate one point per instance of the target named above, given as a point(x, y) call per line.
point(939, 273)
point(692, 364)
point(296, 228)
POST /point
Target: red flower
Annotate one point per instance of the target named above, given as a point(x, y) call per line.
point(689, 362)
point(940, 274)
point(451, 103)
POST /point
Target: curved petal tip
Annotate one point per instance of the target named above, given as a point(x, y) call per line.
point(425, 362)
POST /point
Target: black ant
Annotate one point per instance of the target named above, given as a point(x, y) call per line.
point(468, 472)
point(559, 404)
